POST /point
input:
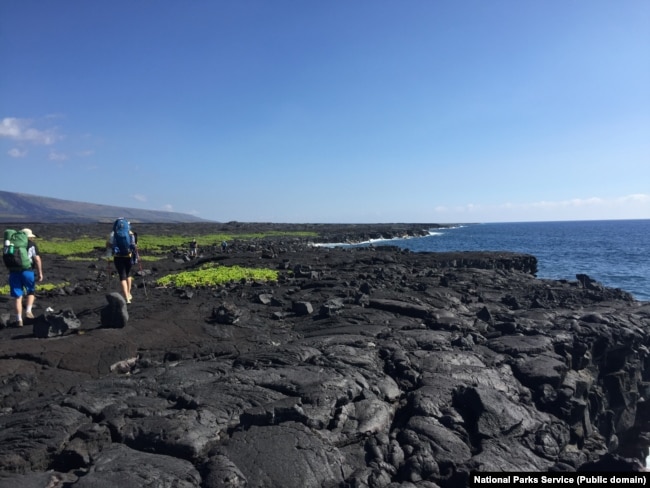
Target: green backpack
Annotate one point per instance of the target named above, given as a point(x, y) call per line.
point(14, 252)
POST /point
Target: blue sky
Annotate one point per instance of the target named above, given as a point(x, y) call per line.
point(340, 111)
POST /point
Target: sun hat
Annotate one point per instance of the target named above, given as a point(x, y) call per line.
point(29, 233)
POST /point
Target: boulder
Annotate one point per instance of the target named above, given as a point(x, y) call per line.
point(115, 315)
point(53, 324)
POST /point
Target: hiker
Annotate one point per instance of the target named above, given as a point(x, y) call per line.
point(122, 243)
point(193, 248)
point(21, 274)
point(224, 246)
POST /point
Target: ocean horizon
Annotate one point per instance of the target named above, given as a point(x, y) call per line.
point(614, 252)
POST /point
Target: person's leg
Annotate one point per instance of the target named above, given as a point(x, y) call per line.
point(16, 287)
point(29, 282)
point(28, 306)
point(18, 308)
point(122, 265)
point(125, 289)
point(129, 280)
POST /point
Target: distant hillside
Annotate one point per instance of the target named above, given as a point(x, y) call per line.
point(20, 207)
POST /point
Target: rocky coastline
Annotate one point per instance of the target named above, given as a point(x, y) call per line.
point(360, 367)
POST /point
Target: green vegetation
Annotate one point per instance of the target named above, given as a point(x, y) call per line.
point(79, 258)
point(156, 244)
point(4, 290)
point(63, 247)
point(51, 286)
point(211, 274)
point(152, 244)
point(109, 258)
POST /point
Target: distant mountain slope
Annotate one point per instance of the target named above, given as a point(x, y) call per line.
point(21, 207)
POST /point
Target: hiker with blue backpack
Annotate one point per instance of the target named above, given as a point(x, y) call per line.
point(122, 244)
point(20, 255)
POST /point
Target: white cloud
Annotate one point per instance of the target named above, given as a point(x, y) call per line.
point(57, 156)
point(140, 198)
point(21, 130)
point(637, 197)
point(17, 153)
point(588, 202)
point(168, 207)
point(634, 206)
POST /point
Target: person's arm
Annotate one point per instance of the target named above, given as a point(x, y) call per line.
point(39, 267)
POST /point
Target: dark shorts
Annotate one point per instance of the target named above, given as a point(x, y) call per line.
point(123, 266)
point(19, 280)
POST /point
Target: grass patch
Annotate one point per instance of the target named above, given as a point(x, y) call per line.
point(151, 258)
point(79, 258)
point(64, 247)
point(4, 290)
point(210, 274)
point(110, 258)
point(153, 244)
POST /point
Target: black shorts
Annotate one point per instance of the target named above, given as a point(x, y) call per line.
point(123, 266)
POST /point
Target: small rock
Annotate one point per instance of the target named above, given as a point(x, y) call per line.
point(302, 308)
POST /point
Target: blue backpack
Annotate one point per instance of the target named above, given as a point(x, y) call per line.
point(122, 240)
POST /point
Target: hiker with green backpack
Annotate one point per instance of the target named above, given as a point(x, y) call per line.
point(20, 255)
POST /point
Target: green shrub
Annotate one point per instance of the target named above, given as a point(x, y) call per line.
point(211, 275)
point(51, 286)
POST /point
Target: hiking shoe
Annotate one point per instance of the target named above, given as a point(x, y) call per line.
point(29, 315)
point(130, 297)
point(128, 300)
point(19, 323)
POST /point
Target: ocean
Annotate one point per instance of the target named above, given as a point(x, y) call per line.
point(613, 252)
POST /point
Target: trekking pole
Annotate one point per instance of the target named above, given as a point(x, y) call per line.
point(144, 283)
point(107, 258)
